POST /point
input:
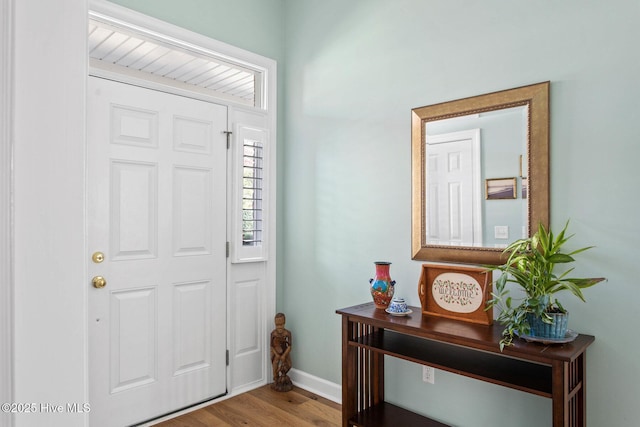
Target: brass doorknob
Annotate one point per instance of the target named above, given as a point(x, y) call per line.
point(99, 282)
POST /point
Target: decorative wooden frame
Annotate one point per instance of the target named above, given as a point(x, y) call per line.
point(536, 167)
point(500, 188)
point(462, 295)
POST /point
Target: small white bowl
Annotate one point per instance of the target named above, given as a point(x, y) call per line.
point(397, 306)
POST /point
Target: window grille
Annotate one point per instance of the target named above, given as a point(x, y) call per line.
point(252, 192)
point(250, 200)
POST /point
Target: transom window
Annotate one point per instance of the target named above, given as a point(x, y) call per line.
point(137, 53)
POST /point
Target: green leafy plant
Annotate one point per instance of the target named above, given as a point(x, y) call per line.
point(531, 265)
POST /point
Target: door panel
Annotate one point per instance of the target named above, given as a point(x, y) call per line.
point(134, 210)
point(157, 209)
point(192, 211)
point(133, 338)
point(453, 173)
point(191, 330)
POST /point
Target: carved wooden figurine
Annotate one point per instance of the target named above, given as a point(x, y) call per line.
point(280, 359)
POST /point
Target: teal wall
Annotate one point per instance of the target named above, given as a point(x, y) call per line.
point(350, 72)
point(254, 25)
point(354, 71)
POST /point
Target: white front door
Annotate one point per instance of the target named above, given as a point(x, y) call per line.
point(157, 212)
point(453, 189)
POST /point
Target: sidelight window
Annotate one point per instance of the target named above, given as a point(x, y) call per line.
point(252, 186)
point(251, 148)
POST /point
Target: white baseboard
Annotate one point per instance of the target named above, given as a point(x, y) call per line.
point(316, 385)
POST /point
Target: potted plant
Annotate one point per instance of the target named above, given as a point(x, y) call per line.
point(531, 265)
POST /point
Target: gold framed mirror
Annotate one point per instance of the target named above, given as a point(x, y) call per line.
point(480, 174)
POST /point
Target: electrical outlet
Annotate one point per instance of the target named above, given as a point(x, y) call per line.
point(501, 232)
point(428, 374)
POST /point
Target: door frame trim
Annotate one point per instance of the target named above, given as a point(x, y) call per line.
point(181, 38)
point(263, 117)
point(6, 209)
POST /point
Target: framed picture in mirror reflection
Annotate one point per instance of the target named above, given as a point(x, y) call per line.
point(500, 188)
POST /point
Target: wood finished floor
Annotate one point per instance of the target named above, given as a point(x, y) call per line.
point(264, 407)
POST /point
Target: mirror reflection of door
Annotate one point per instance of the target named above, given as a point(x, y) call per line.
point(453, 176)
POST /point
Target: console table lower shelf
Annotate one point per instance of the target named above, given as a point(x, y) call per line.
point(557, 372)
point(386, 414)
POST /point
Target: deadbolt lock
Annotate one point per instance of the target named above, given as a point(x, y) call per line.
point(97, 257)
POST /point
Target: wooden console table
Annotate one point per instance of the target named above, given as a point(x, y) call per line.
point(557, 371)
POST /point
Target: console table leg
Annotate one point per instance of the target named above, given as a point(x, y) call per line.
point(378, 378)
point(349, 370)
point(559, 394)
point(569, 393)
point(370, 367)
point(362, 372)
